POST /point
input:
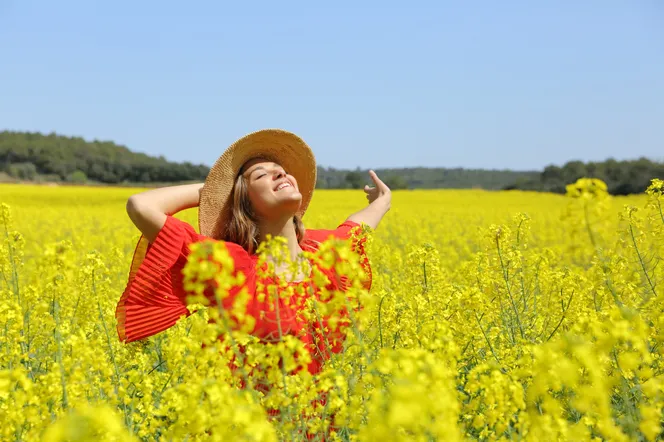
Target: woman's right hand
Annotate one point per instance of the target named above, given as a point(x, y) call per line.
point(148, 209)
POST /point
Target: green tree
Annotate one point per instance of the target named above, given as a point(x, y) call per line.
point(22, 171)
point(77, 177)
point(396, 182)
point(355, 179)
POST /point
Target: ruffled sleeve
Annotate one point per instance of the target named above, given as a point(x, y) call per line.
point(153, 299)
point(330, 339)
point(346, 230)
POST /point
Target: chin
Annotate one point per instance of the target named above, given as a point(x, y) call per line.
point(289, 197)
point(292, 203)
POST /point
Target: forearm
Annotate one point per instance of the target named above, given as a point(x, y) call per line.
point(148, 210)
point(373, 213)
point(168, 200)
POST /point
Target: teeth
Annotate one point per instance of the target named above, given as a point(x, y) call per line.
point(283, 185)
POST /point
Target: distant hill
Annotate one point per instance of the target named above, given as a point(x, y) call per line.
point(52, 157)
point(34, 156)
point(424, 178)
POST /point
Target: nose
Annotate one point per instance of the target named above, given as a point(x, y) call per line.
point(278, 173)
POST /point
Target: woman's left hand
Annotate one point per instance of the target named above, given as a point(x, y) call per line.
point(379, 191)
point(380, 200)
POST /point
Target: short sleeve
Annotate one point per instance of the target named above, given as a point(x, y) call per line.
point(152, 300)
point(345, 231)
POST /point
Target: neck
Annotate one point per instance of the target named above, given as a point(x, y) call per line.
point(281, 227)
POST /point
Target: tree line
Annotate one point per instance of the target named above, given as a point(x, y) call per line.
point(32, 156)
point(423, 178)
point(621, 177)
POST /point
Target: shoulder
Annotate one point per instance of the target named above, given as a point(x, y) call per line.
point(348, 230)
point(241, 258)
point(176, 226)
point(343, 231)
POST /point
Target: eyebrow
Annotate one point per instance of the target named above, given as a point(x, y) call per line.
point(261, 167)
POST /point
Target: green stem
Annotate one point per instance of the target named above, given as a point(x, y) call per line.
point(590, 232)
point(58, 341)
point(10, 250)
point(380, 321)
point(111, 352)
point(509, 290)
point(562, 318)
point(486, 338)
point(643, 265)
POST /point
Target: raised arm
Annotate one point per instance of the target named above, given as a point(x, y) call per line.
point(380, 199)
point(148, 210)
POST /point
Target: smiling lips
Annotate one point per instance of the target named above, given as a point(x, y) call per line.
point(283, 186)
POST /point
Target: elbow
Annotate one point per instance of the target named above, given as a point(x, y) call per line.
point(132, 206)
point(136, 207)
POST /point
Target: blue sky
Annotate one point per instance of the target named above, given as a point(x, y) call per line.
point(481, 84)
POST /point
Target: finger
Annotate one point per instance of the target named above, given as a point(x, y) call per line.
point(379, 184)
point(367, 189)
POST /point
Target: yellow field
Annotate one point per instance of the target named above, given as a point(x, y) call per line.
point(493, 315)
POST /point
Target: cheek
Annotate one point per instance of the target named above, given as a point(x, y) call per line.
point(259, 196)
point(292, 178)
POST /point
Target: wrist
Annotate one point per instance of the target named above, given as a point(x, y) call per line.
point(383, 201)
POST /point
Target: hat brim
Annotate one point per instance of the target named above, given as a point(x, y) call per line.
point(285, 148)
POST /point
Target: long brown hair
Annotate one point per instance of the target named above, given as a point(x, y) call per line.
point(242, 228)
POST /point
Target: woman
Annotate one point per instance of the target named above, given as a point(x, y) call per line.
point(261, 185)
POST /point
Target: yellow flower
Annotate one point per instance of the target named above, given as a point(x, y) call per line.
point(491, 316)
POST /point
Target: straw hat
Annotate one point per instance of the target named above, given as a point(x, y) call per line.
point(280, 146)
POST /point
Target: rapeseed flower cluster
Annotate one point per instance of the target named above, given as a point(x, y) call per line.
point(492, 316)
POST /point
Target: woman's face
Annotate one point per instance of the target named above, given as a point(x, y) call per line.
point(272, 191)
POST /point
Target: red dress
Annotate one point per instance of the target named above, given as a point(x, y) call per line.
point(154, 298)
